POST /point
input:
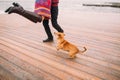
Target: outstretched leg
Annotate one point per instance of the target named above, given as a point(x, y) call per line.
point(27, 14)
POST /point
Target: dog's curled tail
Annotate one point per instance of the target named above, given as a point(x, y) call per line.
point(85, 49)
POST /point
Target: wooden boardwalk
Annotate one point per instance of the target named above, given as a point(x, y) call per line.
point(23, 55)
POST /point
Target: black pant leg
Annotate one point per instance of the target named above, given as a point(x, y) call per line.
point(54, 16)
point(47, 28)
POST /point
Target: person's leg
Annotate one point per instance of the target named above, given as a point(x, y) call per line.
point(47, 30)
point(54, 16)
point(18, 9)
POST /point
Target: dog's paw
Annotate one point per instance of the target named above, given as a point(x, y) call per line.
point(72, 57)
point(57, 49)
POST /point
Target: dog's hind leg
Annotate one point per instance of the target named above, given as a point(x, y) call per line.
point(72, 55)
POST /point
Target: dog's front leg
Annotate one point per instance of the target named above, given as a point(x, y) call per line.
point(59, 47)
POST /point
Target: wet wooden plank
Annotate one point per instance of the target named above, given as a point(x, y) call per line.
point(23, 52)
point(31, 52)
point(54, 56)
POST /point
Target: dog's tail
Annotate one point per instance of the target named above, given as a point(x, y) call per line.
point(85, 49)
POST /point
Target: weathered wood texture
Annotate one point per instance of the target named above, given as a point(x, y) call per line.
point(24, 56)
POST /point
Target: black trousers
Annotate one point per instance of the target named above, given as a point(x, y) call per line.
point(54, 16)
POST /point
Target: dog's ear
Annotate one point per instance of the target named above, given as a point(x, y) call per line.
point(54, 32)
point(63, 34)
point(59, 35)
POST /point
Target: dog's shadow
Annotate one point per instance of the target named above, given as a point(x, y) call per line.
point(64, 55)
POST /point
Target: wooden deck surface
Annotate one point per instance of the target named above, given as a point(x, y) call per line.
point(23, 55)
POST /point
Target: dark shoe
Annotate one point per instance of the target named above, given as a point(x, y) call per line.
point(16, 4)
point(18, 10)
point(7, 10)
point(48, 40)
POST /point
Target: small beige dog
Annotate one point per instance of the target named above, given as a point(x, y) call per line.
point(67, 46)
